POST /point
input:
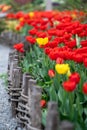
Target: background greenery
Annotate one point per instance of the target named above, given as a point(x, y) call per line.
point(40, 5)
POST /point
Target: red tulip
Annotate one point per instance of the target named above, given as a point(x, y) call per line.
point(84, 89)
point(71, 44)
point(18, 46)
point(18, 28)
point(69, 86)
point(85, 62)
point(59, 60)
point(42, 103)
point(47, 50)
point(30, 39)
point(22, 50)
point(78, 58)
point(51, 73)
point(75, 77)
point(32, 31)
point(84, 43)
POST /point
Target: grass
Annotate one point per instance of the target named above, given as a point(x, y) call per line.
point(4, 77)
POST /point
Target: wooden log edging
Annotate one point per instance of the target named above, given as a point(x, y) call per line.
point(15, 91)
point(52, 117)
point(9, 38)
point(14, 80)
point(66, 125)
point(25, 98)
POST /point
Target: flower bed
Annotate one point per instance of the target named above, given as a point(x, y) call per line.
point(25, 97)
point(57, 60)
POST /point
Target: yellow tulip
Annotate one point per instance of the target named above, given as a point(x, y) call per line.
point(42, 41)
point(62, 68)
point(31, 14)
point(45, 40)
point(68, 73)
point(74, 16)
point(21, 19)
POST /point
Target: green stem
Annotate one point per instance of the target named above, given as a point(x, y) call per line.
point(78, 107)
point(71, 105)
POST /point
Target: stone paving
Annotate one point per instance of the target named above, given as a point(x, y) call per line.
point(6, 120)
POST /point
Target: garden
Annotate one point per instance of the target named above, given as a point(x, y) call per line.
point(53, 52)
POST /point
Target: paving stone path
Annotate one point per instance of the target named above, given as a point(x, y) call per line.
point(6, 120)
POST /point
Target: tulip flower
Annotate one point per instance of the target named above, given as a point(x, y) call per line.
point(69, 86)
point(75, 77)
point(62, 68)
point(42, 41)
point(18, 28)
point(31, 14)
point(31, 39)
point(51, 73)
point(68, 73)
point(19, 47)
point(85, 62)
point(59, 60)
point(84, 89)
point(42, 103)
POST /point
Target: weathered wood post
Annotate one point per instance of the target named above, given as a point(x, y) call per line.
point(26, 78)
point(35, 115)
point(48, 4)
point(14, 64)
point(16, 79)
point(52, 117)
point(34, 109)
point(10, 59)
point(66, 125)
point(31, 83)
point(15, 91)
point(12, 56)
point(23, 99)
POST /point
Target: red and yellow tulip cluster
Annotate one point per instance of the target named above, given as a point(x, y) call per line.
point(63, 38)
point(43, 19)
point(58, 33)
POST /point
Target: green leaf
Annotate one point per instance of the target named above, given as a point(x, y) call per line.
point(86, 123)
point(78, 126)
point(60, 95)
point(53, 95)
point(44, 114)
point(85, 111)
point(78, 41)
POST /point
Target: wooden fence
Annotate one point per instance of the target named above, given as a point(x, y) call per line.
point(9, 38)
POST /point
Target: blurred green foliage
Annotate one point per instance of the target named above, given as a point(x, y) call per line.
point(77, 4)
point(31, 6)
point(73, 4)
point(40, 5)
point(3, 25)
